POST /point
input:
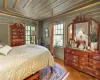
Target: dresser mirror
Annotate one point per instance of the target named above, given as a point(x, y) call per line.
point(94, 35)
point(83, 33)
point(69, 32)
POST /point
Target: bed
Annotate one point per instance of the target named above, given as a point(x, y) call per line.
point(23, 61)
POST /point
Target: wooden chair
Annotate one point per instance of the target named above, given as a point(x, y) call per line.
point(34, 76)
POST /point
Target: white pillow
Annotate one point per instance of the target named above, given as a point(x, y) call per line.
point(5, 50)
point(1, 46)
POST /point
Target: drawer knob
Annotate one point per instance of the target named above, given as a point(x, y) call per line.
point(94, 62)
point(74, 60)
point(81, 67)
point(83, 63)
point(85, 55)
point(94, 67)
point(74, 56)
point(72, 52)
point(75, 65)
point(83, 59)
point(13, 43)
point(68, 51)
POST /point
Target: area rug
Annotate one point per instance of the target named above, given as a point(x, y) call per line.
point(57, 74)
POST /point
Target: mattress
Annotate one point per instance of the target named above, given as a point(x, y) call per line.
point(23, 61)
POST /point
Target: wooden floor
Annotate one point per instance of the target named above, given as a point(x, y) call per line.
point(74, 74)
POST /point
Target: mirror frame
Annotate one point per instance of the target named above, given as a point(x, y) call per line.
point(67, 30)
point(81, 19)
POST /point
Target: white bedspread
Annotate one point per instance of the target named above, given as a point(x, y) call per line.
point(22, 61)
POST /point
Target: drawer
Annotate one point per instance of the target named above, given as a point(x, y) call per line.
point(65, 61)
point(73, 52)
point(83, 61)
point(67, 50)
point(94, 64)
point(95, 56)
point(97, 73)
point(85, 55)
point(66, 55)
point(72, 58)
point(90, 71)
point(73, 64)
point(13, 44)
point(79, 52)
point(87, 70)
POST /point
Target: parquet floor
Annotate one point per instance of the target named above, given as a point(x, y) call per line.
point(74, 74)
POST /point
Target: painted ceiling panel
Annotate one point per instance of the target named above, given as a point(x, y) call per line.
point(66, 5)
point(42, 2)
point(48, 3)
point(32, 3)
point(41, 9)
point(52, 6)
point(22, 3)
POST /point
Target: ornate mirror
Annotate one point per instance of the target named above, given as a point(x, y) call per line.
point(84, 32)
point(69, 32)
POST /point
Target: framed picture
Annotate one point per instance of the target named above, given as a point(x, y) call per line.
point(46, 32)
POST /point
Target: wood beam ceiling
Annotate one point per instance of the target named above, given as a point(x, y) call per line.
point(42, 9)
point(16, 3)
point(27, 3)
point(5, 4)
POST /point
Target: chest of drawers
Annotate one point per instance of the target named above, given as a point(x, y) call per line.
point(87, 62)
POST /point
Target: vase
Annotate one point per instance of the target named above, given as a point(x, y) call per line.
point(93, 45)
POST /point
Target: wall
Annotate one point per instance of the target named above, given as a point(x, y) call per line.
point(92, 10)
point(4, 33)
point(46, 40)
point(40, 31)
point(6, 21)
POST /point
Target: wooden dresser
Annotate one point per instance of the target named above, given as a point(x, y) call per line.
point(85, 61)
point(17, 34)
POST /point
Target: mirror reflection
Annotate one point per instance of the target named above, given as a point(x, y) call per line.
point(81, 35)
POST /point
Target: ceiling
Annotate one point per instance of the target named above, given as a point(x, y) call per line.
point(41, 9)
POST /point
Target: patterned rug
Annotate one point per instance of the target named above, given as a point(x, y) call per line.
point(58, 73)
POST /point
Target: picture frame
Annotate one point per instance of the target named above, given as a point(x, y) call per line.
point(46, 32)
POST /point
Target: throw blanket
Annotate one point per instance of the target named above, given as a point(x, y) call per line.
point(22, 61)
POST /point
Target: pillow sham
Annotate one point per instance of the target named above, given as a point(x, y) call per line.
point(5, 50)
point(1, 46)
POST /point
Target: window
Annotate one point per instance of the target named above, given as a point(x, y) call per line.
point(58, 35)
point(30, 37)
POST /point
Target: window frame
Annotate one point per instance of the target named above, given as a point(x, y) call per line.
point(59, 34)
point(30, 35)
